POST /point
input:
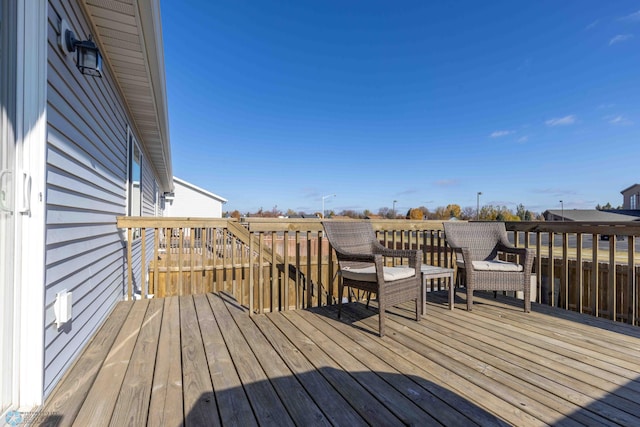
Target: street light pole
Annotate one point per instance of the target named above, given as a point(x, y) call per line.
point(478, 205)
point(323, 198)
point(394, 209)
point(562, 207)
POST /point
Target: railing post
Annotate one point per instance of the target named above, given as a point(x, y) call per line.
point(143, 262)
point(612, 288)
point(550, 270)
point(320, 239)
point(130, 267)
point(564, 281)
point(261, 273)
point(631, 281)
point(595, 306)
point(180, 259)
point(285, 252)
point(579, 273)
point(251, 272)
point(297, 280)
point(192, 259)
point(309, 303)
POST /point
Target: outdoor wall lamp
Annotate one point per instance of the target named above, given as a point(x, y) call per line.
point(88, 58)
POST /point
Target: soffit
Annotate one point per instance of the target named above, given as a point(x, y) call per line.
point(129, 34)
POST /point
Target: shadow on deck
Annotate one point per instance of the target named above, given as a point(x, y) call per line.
point(202, 360)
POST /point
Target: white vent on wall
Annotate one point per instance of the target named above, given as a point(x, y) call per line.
point(62, 307)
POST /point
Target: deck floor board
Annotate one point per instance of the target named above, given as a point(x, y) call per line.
point(202, 360)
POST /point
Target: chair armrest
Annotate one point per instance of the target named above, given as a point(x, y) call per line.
point(346, 256)
point(414, 255)
point(526, 255)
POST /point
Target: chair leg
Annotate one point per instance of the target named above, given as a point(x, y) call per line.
point(368, 299)
point(469, 298)
point(340, 293)
point(452, 295)
point(381, 311)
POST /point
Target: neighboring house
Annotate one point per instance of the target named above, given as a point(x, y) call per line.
point(630, 210)
point(631, 197)
point(76, 152)
point(191, 201)
point(591, 215)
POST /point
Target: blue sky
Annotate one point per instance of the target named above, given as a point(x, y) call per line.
point(278, 103)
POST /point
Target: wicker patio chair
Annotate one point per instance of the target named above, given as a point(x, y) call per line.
point(361, 260)
point(477, 245)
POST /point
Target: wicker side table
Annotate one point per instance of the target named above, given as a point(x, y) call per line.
point(431, 272)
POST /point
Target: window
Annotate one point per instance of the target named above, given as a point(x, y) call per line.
point(135, 181)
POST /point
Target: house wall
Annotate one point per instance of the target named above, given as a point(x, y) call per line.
point(631, 198)
point(86, 182)
point(189, 202)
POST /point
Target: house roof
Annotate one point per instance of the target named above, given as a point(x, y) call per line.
point(594, 215)
point(198, 189)
point(629, 188)
point(129, 35)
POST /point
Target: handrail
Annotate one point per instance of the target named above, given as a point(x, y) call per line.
point(279, 264)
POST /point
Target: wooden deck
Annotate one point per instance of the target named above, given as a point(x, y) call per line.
point(203, 360)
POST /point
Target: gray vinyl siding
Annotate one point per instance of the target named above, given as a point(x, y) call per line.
point(148, 209)
point(86, 181)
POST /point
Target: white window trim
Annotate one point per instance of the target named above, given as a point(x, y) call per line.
point(132, 142)
point(31, 146)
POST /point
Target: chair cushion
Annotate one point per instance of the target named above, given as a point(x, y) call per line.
point(496, 265)
point(368, 274)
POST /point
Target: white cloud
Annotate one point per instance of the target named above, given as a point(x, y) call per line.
point(592, 25)
point(620, 38)
point(562, 121)
point(635, 16)
point(523, 139)
point(499, 133)
point(619, 120)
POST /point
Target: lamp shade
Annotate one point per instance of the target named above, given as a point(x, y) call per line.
point(88, 58)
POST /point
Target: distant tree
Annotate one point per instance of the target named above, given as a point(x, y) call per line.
point(235, 214)
point(351, 214)
point(291, 212)
point(425, 211)
point(468, 213)
point(453, 210)
point(523, 214)
point(607, 207)
point(367, 212)
point(416, 214)
point(273, 213)
point(385, 212)
point(497, 213)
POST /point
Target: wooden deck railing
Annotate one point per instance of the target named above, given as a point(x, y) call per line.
point(586, 273)
point(281, 264)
